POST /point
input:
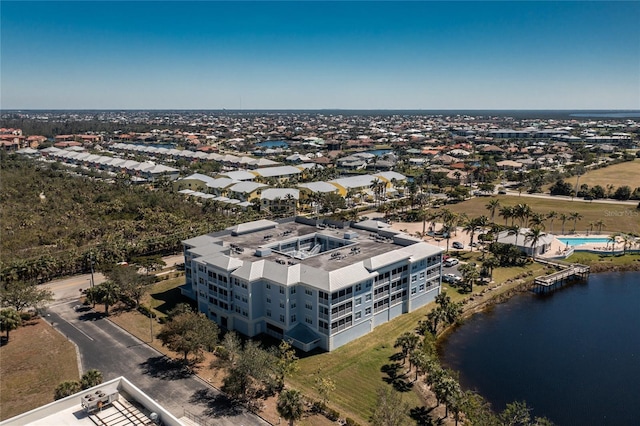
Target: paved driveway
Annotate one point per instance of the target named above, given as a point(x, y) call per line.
point(108, 348)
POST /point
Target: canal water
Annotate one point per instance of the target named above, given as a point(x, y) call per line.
point(573, 355)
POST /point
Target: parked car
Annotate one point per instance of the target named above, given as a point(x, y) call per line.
point(457, 245)
point(502, 192)
point(452, 261)
point(451, 278)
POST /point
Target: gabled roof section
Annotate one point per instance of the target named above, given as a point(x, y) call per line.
point(256, 225)
point(386, 259)
point(224, 262)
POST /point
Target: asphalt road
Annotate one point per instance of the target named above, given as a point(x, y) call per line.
point(106, 347)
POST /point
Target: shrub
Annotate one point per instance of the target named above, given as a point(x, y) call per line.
point(25, 316)
point(146, 311)
point(350, 422)
point(332, 414)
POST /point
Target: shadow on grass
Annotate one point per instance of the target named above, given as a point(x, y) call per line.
point(165, 368)
point(217, 405)
point(395, 378)
point(422, 416)
point(170, 299)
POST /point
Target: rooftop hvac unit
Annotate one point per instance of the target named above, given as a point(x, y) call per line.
point(97, 400)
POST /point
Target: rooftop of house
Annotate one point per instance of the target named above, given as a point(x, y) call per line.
point(114, 403)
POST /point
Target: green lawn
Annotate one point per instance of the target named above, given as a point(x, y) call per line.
point(356, 367)
point(594, 259)
point(616, 217)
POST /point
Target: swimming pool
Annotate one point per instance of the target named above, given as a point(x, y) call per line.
point(585, 240)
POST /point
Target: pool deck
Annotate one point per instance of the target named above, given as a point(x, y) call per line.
point(558, 248)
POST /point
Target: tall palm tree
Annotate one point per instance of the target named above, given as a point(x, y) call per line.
point(507, 213)
point(563, 219)
point(290, 405)
point(575, 216)
point(600, 224)
point(492, 206)
point(489, 264)
point(591, 225)
point(534, 235)
point(537, 220)
point(552, 215)
point(514, 230)
point(108, 294)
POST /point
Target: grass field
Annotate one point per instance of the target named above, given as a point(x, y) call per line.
point(35, 360)
point(627, 173)
point(616, 217)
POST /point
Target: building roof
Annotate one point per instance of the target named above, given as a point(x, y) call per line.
point(277, 171)
point(282, 193)
point(319, 187)
point(246, 187)
point(121, 403)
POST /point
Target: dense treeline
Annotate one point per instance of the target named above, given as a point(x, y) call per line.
point(53, 222)
point(73, 127)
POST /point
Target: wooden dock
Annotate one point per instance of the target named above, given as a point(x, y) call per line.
point(569, 273)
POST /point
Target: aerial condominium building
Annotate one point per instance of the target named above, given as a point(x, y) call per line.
point(317, 285)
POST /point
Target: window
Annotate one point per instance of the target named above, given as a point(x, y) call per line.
point(422, 274)
point(268, 286)
point(367, 311)
point(414, 278)
point(282, 304)
point(281, 318)
point(358, 287)
point(367, 297)
point(358, 314)
point(358, 301)
point(268, 299)
point(293, 318)
point(421, 287)
point(308, 320)
point(308, 306)
point(281, 290)
point(293, 290)
point(269, 312)
point(293, 305)
point(308, 292)
point(413, 290)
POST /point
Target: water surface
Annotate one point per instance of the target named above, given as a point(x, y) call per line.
point(573, 355)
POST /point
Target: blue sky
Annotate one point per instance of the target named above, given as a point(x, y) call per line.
point(307, 55)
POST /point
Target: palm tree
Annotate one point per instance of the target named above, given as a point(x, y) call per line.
point(591, 225)
point(90, 379)
point(108, 294)
point(552, 215)
point(489, 264)
point(534, 235)
point(514, 230)
point(537, 220)
point(290, 405)
point(600, 224)
point(563, 219)
point(492, 206)
point(575, 216)
point(507, 213)
point(612, 240)
point(65, 389)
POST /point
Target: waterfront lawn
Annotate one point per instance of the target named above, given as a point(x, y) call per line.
point(616, 217)
point(356, 367)
point(599, 259)
point(32, 364)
